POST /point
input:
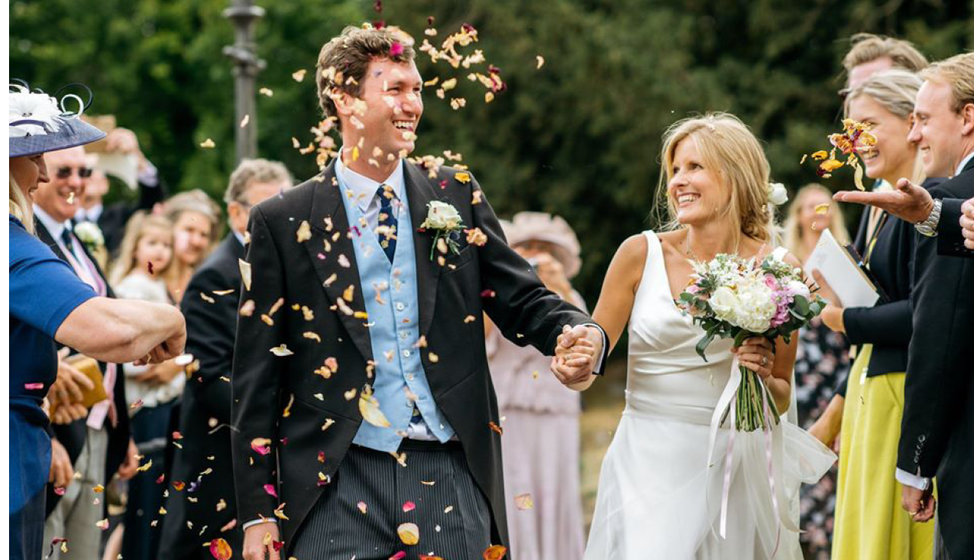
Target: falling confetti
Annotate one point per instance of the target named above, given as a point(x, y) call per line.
point(821, 208)
point(371, 409)
point(265, 91)
point(540, 60)
point(495, 552)
point(208, 144)
point(244, 122)
point(409, 533)
point(220, 549)
point(524, 501)
point(245, 268)
point(299, 75)
point(281, 351)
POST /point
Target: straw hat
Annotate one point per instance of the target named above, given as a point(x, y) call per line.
point(38, 124)
point(540, 226)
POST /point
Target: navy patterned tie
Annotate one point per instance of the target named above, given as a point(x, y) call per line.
point(387, 226)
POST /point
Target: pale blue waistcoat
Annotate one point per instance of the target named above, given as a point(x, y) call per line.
point(394, 330)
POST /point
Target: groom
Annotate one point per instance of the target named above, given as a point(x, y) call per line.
point(365, 421)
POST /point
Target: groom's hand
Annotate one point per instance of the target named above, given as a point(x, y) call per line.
point(259, 541)
point(918, 503)
point(576, 354)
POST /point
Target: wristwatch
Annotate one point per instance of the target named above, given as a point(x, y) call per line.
point(928, 226)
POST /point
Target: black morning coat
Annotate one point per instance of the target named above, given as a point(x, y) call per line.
point(312, 439)
point(72, 436)
point(202, 455)
point(937, 423)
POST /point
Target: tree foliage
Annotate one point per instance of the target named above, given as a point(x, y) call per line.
point(580, 136)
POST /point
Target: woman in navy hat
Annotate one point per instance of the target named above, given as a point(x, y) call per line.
point(49, 303)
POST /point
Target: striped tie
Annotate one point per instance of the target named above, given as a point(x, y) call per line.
point(387, 226)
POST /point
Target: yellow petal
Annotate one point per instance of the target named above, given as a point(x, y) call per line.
point(303, 232)
point(209, 143)
point(299, 75)
point(371, 410)
point(281, 351)
point(524, 501)
point(540, 60)
point(818, 155)
point(858, 175)
point(409, 533)
point(821, 208)
point(245, 268)
point(265, 91)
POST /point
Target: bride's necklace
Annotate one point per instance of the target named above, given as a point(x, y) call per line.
point(690, 252)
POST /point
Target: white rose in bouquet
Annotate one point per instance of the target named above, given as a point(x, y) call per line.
point(755, 307)
point(723, 303)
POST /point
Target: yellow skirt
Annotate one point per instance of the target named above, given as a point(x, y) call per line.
point(869, 522)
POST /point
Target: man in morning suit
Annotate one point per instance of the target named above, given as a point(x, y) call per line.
point(205, 507)
point(364, 417)
point(937, 423)
point(98, 444)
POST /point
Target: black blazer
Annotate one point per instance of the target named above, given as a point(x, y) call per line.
point(937, 423)
point(211, 322)
point(72, 436)
point(492, 278)
point(113, 219)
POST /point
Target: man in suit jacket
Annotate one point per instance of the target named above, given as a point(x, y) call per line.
point(112, 219)
point(205, 506)
point(937, 423)
point(97, 445)
point(364, 416)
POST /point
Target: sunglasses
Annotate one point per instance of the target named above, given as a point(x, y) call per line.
point(65, 172)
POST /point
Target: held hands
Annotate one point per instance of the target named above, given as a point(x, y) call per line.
point(966, 222)
point(258, 542)
point(576, 354)
point(758, 355)
point(907, 201)
point(920, 504)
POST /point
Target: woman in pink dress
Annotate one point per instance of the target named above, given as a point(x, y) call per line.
point(539, 416)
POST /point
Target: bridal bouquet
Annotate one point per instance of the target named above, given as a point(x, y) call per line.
point(732, 297)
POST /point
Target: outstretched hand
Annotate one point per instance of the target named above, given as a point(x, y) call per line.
point(907, 201)
point(576, 354)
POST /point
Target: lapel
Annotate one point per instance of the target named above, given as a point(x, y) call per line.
point(419, 191)
point(327, 204)
point(44, 235)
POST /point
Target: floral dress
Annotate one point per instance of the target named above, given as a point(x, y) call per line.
point(821, 364)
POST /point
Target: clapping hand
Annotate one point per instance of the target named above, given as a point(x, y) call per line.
point(907, 201)
point(966, 222)
point(576, 354)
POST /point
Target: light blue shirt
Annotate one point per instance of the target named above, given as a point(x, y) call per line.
point(390, 292)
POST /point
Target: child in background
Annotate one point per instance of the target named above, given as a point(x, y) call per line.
point(145, 254)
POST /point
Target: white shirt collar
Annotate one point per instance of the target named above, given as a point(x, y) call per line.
point(959, 168)
point(53, 226)
point(364, 189)
point(93, 214)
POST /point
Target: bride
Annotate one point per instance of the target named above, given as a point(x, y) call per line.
point(658, 495)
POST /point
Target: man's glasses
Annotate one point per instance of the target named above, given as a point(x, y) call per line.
point(65, 172)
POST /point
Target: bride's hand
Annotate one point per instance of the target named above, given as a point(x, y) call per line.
point(757, 354)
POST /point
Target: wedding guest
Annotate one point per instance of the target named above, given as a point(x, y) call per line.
point(206, 509)
point(151, 390)
point(98, 444)
point(405, 396)
point(196, 220)
point(869, 520)
point(112, 219)
point(49, 303)
point(540, 444)
point(870, 54)
point(937, 423)
point(821, 361)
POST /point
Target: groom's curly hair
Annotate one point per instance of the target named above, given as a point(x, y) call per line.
point(344, 60)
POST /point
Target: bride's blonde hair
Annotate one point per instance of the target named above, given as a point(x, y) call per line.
point(729, 149)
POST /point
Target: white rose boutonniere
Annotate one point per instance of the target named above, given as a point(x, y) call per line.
point(90, 234)
point(444, 220)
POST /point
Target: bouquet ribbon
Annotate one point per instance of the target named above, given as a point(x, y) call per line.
point(774, 462)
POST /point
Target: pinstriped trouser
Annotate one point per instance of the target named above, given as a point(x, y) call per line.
point(450, 511)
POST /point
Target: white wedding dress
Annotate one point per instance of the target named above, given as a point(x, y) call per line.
point(658, 498)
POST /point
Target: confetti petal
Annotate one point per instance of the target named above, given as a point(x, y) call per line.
point(262, 446)
point(220, 549)
point(409, 533)
point(540, 61)
point(208, 144)
point(408, 506)
point(371, 410)
point(281, 351)
point(495, 552)
point(270, 490)
point(299, 75)
point(821, 208)
point(245, 268)
point(524, 501)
